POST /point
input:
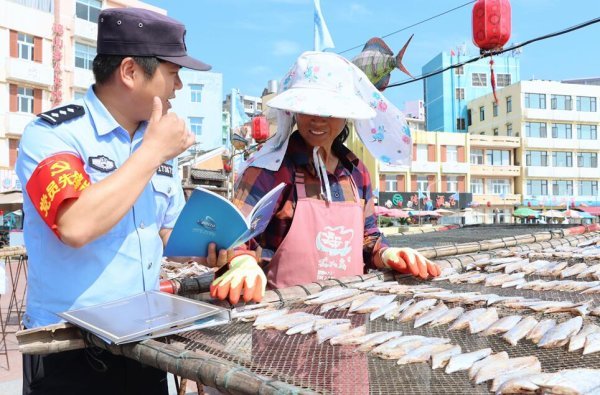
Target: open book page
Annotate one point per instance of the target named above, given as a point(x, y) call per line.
point(206, 218)
point(261, 214)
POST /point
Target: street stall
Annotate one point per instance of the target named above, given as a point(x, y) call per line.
point(516, 312)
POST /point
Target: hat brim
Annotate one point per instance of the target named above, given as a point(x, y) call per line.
point(322, 103)
point(187, 61)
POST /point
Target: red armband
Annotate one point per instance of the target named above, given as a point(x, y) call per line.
point(54, 180)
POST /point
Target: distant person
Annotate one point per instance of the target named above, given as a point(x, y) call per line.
point(102, 196)
point(324, 225)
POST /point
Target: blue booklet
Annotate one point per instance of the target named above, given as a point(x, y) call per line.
point(208, 217)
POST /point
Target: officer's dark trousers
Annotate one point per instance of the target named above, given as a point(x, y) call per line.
point(89, 371)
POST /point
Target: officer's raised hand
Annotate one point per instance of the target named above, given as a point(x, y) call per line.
point(166, 135)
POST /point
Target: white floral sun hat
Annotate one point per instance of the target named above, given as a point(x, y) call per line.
point(328, 85)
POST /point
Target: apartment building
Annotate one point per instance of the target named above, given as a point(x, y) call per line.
point(556, 125)
point(46, 53)
point(447, 93)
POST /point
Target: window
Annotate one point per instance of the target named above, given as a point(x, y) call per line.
point(536, 158)
point(25, 99)
point(588, 188)
point(537, 187)
point(586, 104)
point(587, 159)
point(477, 157)
point(451, 184)
point(498, 157)
point(509, 131)
point(88, 10)
point(421, 152)
point(562, 159)
point(496, 132)
point(562, 187)
point(561, 102)
point(460, 124)
point(469, 118)
point(84, 56)
point(25, 46)
point(535, 129)
point(562, 131)
point(196, 90)
point(587, 132)
point(482, 113)
point(495, 109)
point(451, 154)
point(479, 79)
point(498, 186)
point(535, 100)
point(460, 93)
point(459, 70)
point(391, 183)
point(196, 125)
point(502, 80)
point(422, 183)
point(508, 104)
point(477, 186)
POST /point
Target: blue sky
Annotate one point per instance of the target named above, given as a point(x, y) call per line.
point(253, 41)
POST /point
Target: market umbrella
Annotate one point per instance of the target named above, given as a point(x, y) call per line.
point(553, 214)
point(526, 212)
point(396, 213)
point(443, 212)
point(381, 210)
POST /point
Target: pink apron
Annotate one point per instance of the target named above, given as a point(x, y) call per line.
point(325, 240)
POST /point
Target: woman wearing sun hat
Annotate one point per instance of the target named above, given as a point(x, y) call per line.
point(325, 224)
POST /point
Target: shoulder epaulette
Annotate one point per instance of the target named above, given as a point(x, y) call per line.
point(61, 114)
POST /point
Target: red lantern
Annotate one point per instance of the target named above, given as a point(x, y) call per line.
point(489, 204)
point(491, 29)
point(528, 204)
point(260, 129)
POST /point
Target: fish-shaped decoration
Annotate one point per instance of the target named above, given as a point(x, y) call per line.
point(377, 61)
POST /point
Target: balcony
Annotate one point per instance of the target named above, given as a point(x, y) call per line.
point(16, 122)
point(424, 167)
point(82, 78)
point(478, 140)
point(85, 29)
point(562, 172)
point(562, 144)
point(487, 170)
point(497, 200)
point(454, 168)
point(29, 72)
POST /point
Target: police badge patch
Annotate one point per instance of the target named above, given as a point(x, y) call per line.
point(165, 170)
point(102, 163)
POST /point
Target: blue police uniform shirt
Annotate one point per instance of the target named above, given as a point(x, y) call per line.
point(124, 261)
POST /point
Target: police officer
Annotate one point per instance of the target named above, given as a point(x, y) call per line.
point(102, 195)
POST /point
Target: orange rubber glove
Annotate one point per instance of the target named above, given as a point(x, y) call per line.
point(407, 260)
point(244, 276)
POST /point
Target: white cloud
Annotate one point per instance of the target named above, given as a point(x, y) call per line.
point(285, 47)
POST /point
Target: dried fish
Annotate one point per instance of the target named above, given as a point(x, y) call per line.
point(417, 308)
point(331, 331)
point(560, 334)
point(394, 313)
point(377, 340)
point(592, 343)
point(573, 270)
point(466, 360)
point(266, 318)
point(336, 304)
point(448, 316)
point(538, 331)
point(483, 321)
point(440, 359)
point(431, 315)
point(520, 330)
point(386, 349)
point(351, 334)
point(357, 301)
point(513, 374)
point(488, 372)
point(570, 381)
point(383, 310)
point(365, 284)
point(373, 303)
point(578, 341)
point(287, 321)
point(503, 325)
point(500, 356)
point(423, 353)
point(338, 294)
point(354, 340)
point(250, 314)
point(462, 322)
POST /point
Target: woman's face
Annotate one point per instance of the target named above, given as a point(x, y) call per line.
point(319, 131)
